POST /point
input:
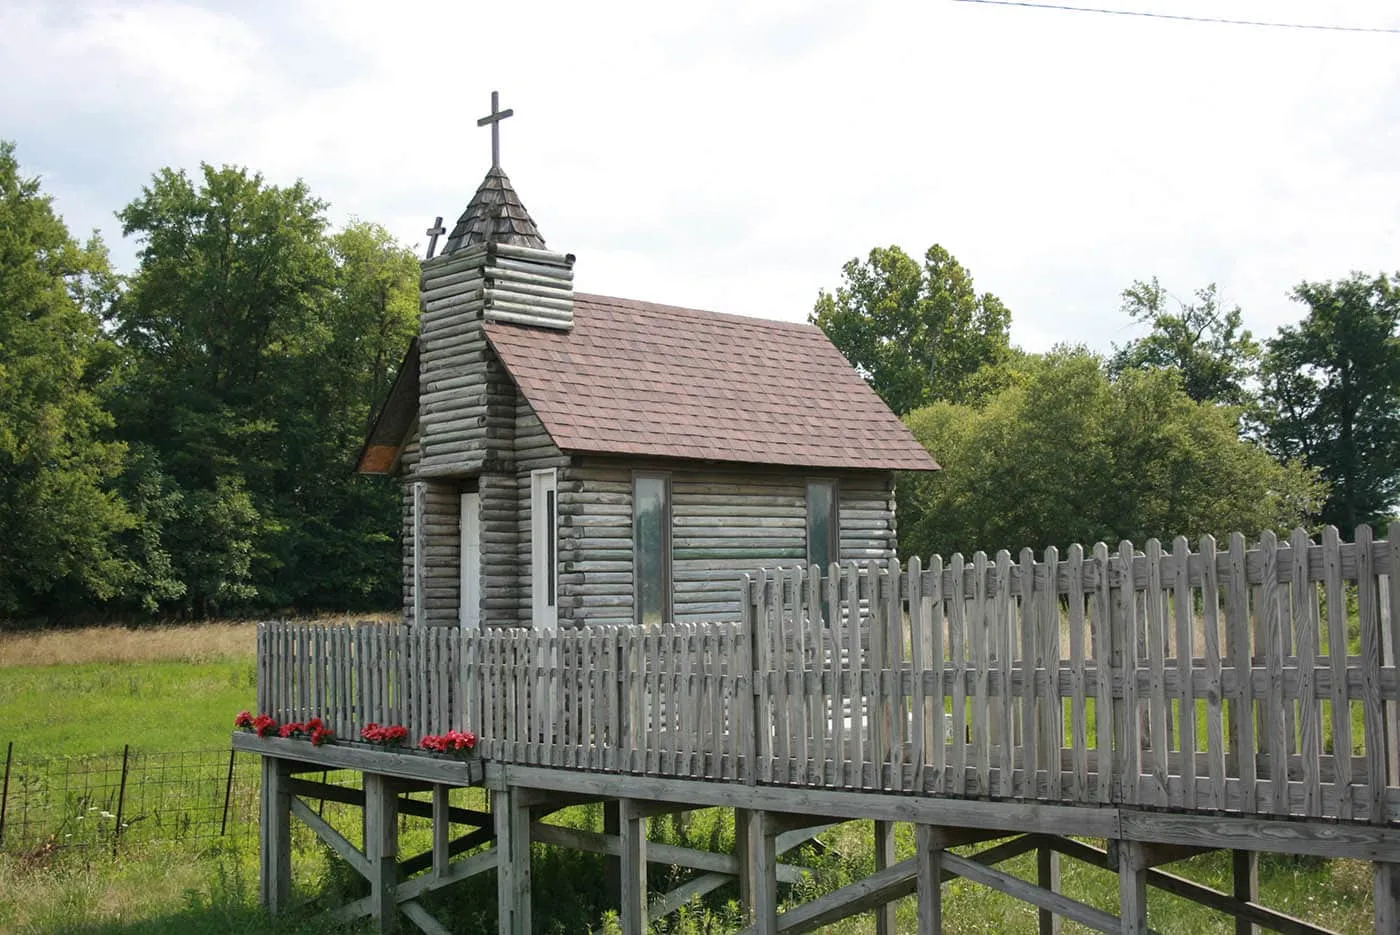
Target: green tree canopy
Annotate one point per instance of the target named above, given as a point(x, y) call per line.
point(59, 517)
point(1064, 454)
point(260, 343)
point(1331, 394)
point(918, 334)
point(1207, 345)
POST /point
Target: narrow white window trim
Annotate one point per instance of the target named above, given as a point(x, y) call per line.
point(420, 506)
point(469, 593)
point(544, 548)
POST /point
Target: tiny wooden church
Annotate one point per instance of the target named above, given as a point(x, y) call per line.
point(572, 459)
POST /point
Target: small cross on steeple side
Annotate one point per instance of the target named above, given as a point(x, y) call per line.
point(494, 119)
point(434, 232)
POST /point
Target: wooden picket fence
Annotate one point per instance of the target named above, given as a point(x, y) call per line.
point(1256, 680)
point(353, 675)
point(1220, 680)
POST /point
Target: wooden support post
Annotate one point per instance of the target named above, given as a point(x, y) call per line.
point(382, 849)
point(760, 867)
point(1387, 896)
point(1244, 866)
point(276, 824)
point(930, 881)
point(633, 837)
point(1048, 876)
point(442, 830)
point(512, 818)
point(612, 866)
point(884, 858)
point(1132, 889)
point(741, 851)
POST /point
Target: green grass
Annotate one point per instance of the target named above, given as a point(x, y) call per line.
point(180, 891)
point(98, 707)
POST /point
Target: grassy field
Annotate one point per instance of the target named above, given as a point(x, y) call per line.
point(178, 688)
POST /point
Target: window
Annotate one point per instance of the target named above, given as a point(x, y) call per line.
point(544, 547)
point(823, 524)
point(651, 547)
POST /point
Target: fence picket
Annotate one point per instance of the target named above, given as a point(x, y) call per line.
point(1337, 660)
point(936, 730)
point(1156, 624)
point(1272, 614)
point(958, 650)
point(1030, 633)
point(1050, 704)
point(1373, 723)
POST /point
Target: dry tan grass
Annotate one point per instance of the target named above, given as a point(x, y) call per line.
point(200, 642)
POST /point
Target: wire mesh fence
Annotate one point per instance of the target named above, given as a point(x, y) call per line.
point(125, 798)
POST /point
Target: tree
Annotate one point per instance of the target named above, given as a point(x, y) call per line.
point(59, 516)
point(340, 544)
point(917, 334)
point(1331, 394)
point(262, 343)
point(1064, 454)
point(1205, 344)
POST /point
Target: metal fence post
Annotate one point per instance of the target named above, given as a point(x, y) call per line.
point(5, 789)
point(121, 798)
point(228, 794)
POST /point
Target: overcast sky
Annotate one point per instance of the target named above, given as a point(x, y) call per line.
point(732, 156)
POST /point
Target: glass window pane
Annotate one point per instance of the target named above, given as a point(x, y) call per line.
point(821, 524)
point(551, 543)
point(651, 541)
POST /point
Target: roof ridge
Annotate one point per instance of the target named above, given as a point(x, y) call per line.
point(690, 310)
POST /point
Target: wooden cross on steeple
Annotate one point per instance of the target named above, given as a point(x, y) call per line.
point(494, 118)
point(433, 233)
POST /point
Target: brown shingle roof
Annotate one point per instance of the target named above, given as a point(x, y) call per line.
point(637, 378)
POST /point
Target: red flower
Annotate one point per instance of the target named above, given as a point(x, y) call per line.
point(321, 735)
point(264, 725)
point(244, 720)
point(389, 734)
point(454, 741)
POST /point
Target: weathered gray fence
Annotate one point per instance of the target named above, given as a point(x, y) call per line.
point(1260, 680)
point(1256, 680)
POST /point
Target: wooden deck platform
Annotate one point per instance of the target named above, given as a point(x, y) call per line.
point(1164, 701)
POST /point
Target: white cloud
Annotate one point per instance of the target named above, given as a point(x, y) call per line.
point(733, 155)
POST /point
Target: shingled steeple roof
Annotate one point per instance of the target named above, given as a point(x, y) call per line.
point(495, 214)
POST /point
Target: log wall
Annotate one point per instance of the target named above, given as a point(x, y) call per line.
point(439, 535)
point(726, 520)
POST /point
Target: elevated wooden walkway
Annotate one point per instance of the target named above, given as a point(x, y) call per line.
point(1165, 701)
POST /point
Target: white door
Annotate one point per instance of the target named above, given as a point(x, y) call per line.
point(544, 549)
point(470, 593)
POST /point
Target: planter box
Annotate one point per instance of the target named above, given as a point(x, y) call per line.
point(401, 762)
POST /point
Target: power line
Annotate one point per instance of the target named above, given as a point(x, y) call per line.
point(1184, 18)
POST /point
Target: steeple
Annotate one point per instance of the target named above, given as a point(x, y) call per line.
point(495, 215)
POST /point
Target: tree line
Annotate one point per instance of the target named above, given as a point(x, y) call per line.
point(1196, 427)
point(181, 441)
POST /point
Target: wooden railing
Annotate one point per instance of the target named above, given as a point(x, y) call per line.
point(352, 675)
point(1258, 680)
point(1207, 679)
